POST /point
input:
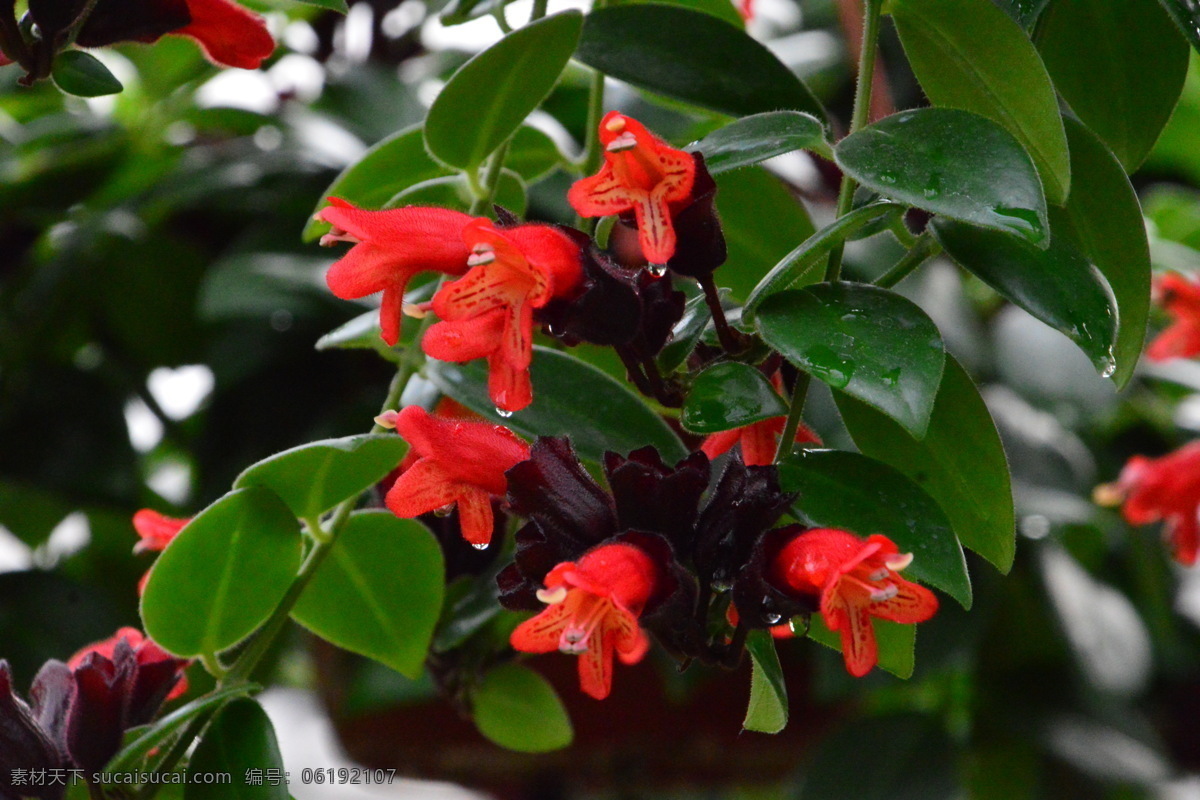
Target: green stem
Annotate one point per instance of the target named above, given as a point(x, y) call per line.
point(539, 10)
point(799, 394)
point(485, 195)
point(862, 113)
point(501, 19)
point(924, 248)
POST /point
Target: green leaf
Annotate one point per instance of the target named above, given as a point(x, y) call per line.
point(862, 495)
point(361, 333)
point(910, 757)
point(453, 191)
point(1024, 12)
point(756, 138)
point(1057, 285)
point(223, 575)
point(691, 56)
point(952, 163)
point(1119, 65)
point(806, 263)
point(871, 343)
point(730, 395)
point(570, 398)
point(687, 332)
point(518, 709)
point(379, 591)
point(1107, 220)
point(960, 462)
point(459, 11)
point(721, 9)
point(315, 477)
point(82, 74)
point(897, 643)
point(486, 100)
point(332, 5)
point(1186, 15)
point(134, 754)
point(532, 154)
point(239, 740)
point(970, 55)
point(762, 221)
point(392, 165)
point(768, 709)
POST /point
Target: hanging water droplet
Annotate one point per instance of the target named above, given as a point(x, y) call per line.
point(772, 619)
point(1108, 368)
point(657, 270)
point(479, 546)
point(721, 585)
point(503, 413)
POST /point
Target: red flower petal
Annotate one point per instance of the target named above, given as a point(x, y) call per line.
point(228, 33)
point(467, 339)
point(423, 487)
point(468, 452)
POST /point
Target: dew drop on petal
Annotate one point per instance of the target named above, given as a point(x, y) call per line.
point(479, 545)
point(503, 413)
point(657, 270)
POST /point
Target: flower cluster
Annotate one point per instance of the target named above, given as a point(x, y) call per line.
point(79, 711)
point(1166, 489)
point(1180, 296)
point(513, 276)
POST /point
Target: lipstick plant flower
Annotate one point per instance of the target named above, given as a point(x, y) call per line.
point(390, 247)
point(488, 313)
point(1180, 296)
point(1165, 488)
point(592, 612)
point(855, 580)
point(460, 462)
point(641, 174)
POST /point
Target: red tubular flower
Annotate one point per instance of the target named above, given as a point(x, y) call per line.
point(592, 612)
point(147, 655)
point(759, 440)
point(1180, 297)
point(855, 580)
point(460, 462)
point(390, 247)
point(1167, 489)
point(642, 174)
point(489, 312)
point(229, 34)
point(156, 530)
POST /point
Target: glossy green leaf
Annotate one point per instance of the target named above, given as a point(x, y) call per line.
point(756, 138)
point(897, 643)
point(379, 591)
point(806, 263)
point(691, 56)
point(459, 11)
point(361, 333)
point(1057, 285)
point(762, 222)
point(721, 9)
point(686, 333)
point(1024, 12)
point(82, 74)
point(332, 5)
point(1119, 65)
point(134, 754)
point(1107, 220)
point(241, 739)
point(392, 165)
point(952, 163)
point(223, 574)
point(570, 398)
point(910, 755)
point(532, 154)
point(970, 55)
point(517, 708)
point(871, 343)
point(730, 395)
point(486, 100)
point(1186, 15)
point(960, 462)
point(453, 191)
point(768, 709)
point(315, 477)
point(859, 494)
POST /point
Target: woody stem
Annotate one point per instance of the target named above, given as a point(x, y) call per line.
point(860, 117)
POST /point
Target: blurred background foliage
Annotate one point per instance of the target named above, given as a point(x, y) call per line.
point(158, 311)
